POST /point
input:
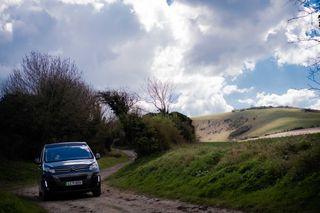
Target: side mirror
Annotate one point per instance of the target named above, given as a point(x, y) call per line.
point(37, 161)
point(98, 156)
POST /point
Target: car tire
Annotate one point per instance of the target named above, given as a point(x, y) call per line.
point(97, 191)
point(44, 195)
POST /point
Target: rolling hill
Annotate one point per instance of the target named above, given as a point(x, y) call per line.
point(253, 122)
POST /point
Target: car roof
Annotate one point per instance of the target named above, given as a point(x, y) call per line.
point(65, 144)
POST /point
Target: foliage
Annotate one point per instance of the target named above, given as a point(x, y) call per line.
point(270, 175)
point(159, 133)
point(46, 101)
point(148, 134)
point(120, 101)
point(184, 125)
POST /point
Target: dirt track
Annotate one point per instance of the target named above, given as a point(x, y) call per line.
point(289, 133)
point(114, 201)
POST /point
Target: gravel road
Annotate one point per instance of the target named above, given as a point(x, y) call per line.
point(113, 200)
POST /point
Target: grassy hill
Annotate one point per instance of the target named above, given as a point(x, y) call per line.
point(267, 175)
point(250, 123)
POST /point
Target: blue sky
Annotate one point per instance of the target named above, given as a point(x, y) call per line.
point(220, 55)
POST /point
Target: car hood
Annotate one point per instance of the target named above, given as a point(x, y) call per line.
point(70, 163)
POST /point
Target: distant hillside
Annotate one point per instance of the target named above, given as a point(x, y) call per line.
point(253, 122)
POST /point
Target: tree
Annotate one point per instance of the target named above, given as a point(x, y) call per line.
point(310, 9)
point(120, 101)
point(160, 94)
point(63, 106)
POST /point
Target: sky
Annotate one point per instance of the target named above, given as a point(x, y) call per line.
point(219, 55)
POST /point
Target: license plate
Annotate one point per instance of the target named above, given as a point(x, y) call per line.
point(74, 183)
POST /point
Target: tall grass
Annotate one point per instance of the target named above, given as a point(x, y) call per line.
point(270, 175)
point(10, 203)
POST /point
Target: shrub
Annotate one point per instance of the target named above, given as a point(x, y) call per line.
point(184, 125)
point(165, 130)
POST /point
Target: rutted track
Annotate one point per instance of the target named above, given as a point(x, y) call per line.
point(288, 133)
point(113, 200)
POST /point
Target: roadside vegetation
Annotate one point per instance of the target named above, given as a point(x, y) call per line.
point(15, 174)
point(10, 203)
point(269, 175)
point(112, 158)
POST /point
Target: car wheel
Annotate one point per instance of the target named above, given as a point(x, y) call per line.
point(97, 191)
point(45, 196)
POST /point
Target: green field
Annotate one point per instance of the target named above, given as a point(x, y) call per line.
point(269, 175)
point(260, 122)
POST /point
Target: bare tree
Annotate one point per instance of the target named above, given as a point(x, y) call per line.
point(39, 71)
point(310, 9)
point(47, 96)
point(160, 94)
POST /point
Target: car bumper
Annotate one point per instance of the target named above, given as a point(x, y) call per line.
point(57, 183)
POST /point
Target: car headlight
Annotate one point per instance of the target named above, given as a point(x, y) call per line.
point(49, 170)
point(93, 167)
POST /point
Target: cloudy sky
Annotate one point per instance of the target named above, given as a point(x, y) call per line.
point(220, 55)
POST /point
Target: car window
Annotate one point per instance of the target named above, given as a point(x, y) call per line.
point(62, 153)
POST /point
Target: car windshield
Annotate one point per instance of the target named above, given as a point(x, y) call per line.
point(63, 153)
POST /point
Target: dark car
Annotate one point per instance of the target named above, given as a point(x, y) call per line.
point(68, 167)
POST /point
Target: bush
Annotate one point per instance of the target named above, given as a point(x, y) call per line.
point(165, 130)
point(184, 125)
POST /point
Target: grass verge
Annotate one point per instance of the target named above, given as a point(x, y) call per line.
point(112, 158)
point(269, 175)
point(17, 174)
point(10, 203)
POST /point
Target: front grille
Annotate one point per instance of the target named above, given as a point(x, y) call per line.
point(73, 178)
point(80, 168)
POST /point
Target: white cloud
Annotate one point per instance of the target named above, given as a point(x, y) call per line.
point(247, 101)
point(229, 89)
point(195, 44)
point(197, 99)
point(316, 105)
point(293, 97)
